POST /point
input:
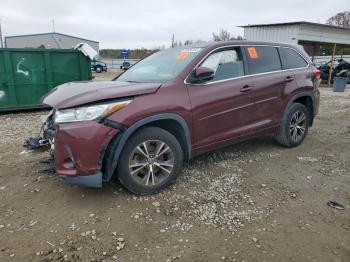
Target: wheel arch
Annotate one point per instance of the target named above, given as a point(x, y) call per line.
point(306, 98)
point(173, 123)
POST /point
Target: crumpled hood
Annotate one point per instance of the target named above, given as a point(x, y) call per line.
point(79, 93)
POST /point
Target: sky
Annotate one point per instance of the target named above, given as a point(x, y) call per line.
point(150, 24)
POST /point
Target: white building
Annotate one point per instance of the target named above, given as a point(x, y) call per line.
point(310, 35)
point(297, 32)
point(48, 40)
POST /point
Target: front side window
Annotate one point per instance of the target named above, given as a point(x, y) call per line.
point(291, 59)
point(226, 64)
point(262, 59)
point(160, 67)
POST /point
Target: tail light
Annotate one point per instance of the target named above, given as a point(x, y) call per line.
point(316, 74)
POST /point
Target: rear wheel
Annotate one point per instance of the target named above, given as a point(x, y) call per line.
point(150, 161)
point(294, 126)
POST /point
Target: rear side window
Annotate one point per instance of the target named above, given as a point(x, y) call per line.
point(226, 64)
point(262, 59)
point(291, 59)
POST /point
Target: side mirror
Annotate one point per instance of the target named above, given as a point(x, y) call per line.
point(204, 73)
point(201, 74)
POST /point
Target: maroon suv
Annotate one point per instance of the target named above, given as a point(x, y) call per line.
point(177, 104)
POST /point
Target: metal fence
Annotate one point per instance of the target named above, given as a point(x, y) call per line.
point(116, 63)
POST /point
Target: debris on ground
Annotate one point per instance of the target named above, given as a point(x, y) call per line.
point(335, 205)
point(307, 159)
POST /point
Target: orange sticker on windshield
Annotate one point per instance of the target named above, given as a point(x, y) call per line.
point(252, 53)
point(182, 55)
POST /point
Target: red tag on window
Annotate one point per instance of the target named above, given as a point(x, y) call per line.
point(252, 53)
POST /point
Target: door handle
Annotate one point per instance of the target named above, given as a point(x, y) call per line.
point(289, 79)
point(246, 89)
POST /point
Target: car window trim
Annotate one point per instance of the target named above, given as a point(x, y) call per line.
point(249, 75)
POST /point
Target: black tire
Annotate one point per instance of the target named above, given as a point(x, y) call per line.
point(286, 134)
point(99, 69)
point(135, 183)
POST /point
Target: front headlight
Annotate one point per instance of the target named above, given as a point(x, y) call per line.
point(92, 112)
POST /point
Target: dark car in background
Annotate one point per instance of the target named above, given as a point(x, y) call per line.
point(125, 65)
point(177, 104)
point(98, 66)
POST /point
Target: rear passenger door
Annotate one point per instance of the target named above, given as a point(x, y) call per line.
point(264, 65)
point(292, 60)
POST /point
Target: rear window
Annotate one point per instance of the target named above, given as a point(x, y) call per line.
point(262, 59)
point(291, 59)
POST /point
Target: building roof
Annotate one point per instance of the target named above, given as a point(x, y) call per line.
point(298, 23)
point(52, 33)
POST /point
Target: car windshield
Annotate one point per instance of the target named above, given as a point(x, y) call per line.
point(161, 66)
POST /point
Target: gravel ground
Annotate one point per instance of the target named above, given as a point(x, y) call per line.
point(254, 201)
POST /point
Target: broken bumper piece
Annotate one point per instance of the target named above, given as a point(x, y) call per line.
point(85, 181)
point(35, 143)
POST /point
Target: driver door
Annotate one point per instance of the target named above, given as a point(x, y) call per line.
point(222, 108)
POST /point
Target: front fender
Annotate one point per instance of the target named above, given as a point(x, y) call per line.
point(117, 144)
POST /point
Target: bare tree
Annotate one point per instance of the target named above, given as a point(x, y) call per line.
point(188, 42)
point(200, 41)
point(341, 19)
point(223, 35)
point(177, 43)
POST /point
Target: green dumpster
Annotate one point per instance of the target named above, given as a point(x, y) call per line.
point(28, 74)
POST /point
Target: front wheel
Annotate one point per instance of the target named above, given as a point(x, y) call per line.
point(294, 126)
point(150, 161)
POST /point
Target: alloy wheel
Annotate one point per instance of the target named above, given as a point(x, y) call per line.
point(151, 162)
point(297, 126)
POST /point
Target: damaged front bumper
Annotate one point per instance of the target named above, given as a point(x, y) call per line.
point(76, 150)
point(85, 181)
point(79, 149)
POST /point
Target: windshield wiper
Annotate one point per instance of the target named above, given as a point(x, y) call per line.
point(131, 81)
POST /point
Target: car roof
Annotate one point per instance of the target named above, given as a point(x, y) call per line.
point(209, 46)
point(231, 42)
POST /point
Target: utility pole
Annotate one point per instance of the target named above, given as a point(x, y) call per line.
point(1, 43)
point(331, 68)
point(53, 25)
point(173, 41)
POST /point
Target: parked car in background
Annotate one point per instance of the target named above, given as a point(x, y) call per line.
point(125, 66)
point(177, 104)
point(98, 66)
